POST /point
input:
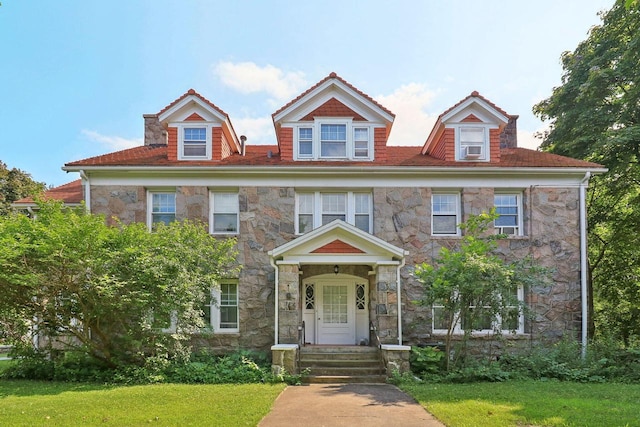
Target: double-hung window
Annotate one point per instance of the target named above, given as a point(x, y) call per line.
point(445, 214)
point(221, 312)
point(224, 212)
point(509, 208)
point(314, 209)
point(161, 208)
point(305, 142)
point(361, 142)
point(194, 142)
point(333, 140)
point(472, 143)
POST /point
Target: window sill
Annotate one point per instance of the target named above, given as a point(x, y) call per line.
point(484, 335)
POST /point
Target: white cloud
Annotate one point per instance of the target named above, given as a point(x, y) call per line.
point(112, 142)
point(412, 124)
point(258, 130)
point(248, 77)
point(527, 139)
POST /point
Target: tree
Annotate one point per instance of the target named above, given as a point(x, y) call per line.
point(14, 185)
point(104, 291)
point(595, 115)
point(474, 286)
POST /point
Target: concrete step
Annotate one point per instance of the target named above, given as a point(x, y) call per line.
point(342, 364)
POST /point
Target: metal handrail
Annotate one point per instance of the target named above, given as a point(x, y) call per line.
point(373, 328)
point(301, 341)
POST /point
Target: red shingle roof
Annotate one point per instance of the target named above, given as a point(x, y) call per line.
point(258, 155)
point(70, 193)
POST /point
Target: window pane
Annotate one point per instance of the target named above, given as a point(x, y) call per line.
point(441, 318)
point(195, 134)
point(362, 202)
point(445, 203)
point(194, 150)
point(333, 140)
point(362, 222)
point(225, 202)
point(305, 142)
point(305, 223)
point(326, 219)
point(471, 135)
point(228, 306)
point(305, 133)
point(225, 222)
point(334, 203)
point(444, 224)
point(305, 203)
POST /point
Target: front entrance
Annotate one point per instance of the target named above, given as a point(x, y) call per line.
point(335, 314)
point(335, 310)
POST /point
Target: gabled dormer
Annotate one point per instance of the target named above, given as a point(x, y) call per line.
point(470, 131)
point(193, 128)
point(333, 121)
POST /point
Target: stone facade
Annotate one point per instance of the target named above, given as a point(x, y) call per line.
point(402, 217)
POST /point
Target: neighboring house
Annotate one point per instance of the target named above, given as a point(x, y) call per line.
point(71, 194)
point(331, 221)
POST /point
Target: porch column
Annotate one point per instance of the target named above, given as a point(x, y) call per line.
point(288, 303)
point(387, 303)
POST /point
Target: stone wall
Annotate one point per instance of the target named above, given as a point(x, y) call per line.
point(402, 217)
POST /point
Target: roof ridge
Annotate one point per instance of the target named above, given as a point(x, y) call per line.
point(194, 93)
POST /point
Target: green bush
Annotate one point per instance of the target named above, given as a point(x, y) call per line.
point(426, 360)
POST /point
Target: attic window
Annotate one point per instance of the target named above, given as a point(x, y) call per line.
point(472, 143)
point(194, 141)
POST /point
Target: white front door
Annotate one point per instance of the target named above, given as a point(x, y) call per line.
point(335, 311)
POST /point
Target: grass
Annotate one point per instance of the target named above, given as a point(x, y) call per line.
point(537, 403)
point(28, 403)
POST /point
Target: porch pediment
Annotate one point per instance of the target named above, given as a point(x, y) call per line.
point(337, 242)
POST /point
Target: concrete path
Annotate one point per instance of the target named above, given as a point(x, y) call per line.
point(335, 405)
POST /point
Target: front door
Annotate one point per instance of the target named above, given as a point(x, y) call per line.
point(335, 312)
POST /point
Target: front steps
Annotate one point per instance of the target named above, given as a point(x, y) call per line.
point(342, 364)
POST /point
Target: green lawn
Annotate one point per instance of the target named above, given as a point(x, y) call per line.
point(530, 403)
point(28, 403)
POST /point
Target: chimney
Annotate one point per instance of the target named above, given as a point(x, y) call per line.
point(154, 132)
point(509, 135)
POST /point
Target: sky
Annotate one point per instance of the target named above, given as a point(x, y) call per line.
point(76, 76)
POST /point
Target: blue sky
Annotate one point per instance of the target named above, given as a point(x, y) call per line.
point(76, 76)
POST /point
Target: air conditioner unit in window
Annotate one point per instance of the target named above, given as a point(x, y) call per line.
point(472, 152)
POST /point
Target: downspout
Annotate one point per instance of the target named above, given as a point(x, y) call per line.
point(583, 260)
point(275, 267)
point(87, 190)
point(399, 301)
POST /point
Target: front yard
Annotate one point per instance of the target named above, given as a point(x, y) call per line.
point(28, 403)
point(530, 403)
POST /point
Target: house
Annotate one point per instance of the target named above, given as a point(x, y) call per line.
point(330, 220)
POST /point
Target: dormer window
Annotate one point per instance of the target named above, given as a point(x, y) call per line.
point(472, 143)
point(333, 139)
point(194, 141)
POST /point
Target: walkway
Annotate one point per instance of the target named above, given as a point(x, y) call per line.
point(336, 405)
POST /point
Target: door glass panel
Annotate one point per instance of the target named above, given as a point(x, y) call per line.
point(334, 304)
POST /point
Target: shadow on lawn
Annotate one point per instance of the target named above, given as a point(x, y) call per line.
point(42, 388)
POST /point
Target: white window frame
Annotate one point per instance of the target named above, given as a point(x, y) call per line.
point(460, 144)
point(518, 227)
point(299, 140)
point(216, 303)
point(150, 213)
point(434, 214)
point(194, 125)
point(350, 143)
point(317, 209)
point(495, 325)
point(213, 212)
